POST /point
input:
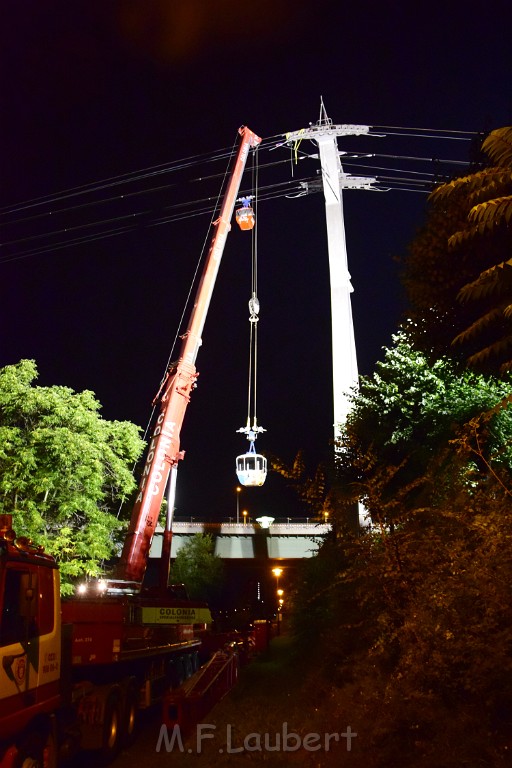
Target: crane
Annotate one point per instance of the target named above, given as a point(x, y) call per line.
point(173, 397)
point(76, 671)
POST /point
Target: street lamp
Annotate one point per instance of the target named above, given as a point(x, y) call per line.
point(244, 513)
point(277, 573)
point(265, 521)
point(238, 491)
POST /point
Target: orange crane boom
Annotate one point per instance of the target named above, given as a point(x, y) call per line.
point(174, 394)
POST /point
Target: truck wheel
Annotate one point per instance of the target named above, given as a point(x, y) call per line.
point(178, 673)
point(38, 750)
point(111, 737)
point(131, 708)
point(188, 664)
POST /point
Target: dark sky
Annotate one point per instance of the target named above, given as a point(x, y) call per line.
point(92, 90)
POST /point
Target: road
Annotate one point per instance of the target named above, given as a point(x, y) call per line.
point(273, 716)
point(143, 752)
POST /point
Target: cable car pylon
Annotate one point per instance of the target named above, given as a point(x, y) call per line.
point(344, 360)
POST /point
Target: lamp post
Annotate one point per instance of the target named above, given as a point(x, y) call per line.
point(238, 491)
point(244, 513)
point(277, 573)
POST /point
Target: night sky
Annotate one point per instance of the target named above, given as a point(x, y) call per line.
point(94, 90)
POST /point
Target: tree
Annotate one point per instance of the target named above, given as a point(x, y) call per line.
point(397, 446)
point(198, 568)
point(406, 612)
point(63, 469)
point(458, 273)
point(313, 491)
point(431, 283)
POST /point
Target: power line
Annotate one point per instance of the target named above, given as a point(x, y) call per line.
point(130, 177)
point(191, 161)
point(99, 186)
point(429, 130)
point(73, 232)
point(268, 193)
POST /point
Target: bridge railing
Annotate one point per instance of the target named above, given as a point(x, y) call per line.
point(291, 528)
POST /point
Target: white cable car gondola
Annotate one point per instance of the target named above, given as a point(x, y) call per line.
point(251, 467)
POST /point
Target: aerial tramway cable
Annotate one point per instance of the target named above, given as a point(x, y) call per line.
point(125, 203)
point(251, 467)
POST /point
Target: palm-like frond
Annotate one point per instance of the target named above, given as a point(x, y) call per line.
point(496, 186)
point(473, 217)
point(478, 326)
point(464, 236)
point(481, 183)
point(497, 278)
point(492, 212)
point(497, 349)
point(498, 145)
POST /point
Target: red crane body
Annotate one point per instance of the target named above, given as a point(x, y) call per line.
point(174, 394)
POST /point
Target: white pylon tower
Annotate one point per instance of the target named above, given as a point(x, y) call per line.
point(344, 360)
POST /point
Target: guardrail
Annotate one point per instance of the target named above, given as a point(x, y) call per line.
point(186, 706)
point(249, 529)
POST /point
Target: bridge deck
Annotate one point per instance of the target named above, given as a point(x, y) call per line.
point(248, 540)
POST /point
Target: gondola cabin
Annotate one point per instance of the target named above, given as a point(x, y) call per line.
point(245, 217)
point(251, 468)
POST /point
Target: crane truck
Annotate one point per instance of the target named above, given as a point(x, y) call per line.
point(75, 672)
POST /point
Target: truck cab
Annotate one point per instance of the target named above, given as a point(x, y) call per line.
point(30, 641)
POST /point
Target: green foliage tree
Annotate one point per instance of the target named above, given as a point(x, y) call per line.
point(412, 616)
point(63, 469)
point(434, 615)
point(199, 568)
point(396, 447)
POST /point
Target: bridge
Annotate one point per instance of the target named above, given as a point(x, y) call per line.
point(250, 552)
point(248, 540)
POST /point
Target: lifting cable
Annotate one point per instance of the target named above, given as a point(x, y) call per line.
point(252, 429)
point(254, 306)
point(251, 467)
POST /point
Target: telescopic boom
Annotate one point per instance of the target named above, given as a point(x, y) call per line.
point(173, 397)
